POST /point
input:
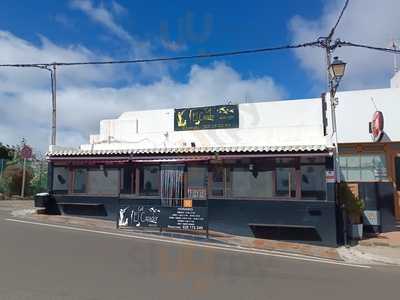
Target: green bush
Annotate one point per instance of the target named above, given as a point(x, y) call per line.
point(353, 205)
point(13, 179)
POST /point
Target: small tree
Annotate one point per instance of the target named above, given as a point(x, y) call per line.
point(13, 177)
point(353, 205)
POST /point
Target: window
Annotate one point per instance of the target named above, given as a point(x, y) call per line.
point(150, 180)
point(128, 180)
point(218, 181)
point(285, 182)
point(363, 167)
point(80, 178)
point(197, 182)
point(250, 182)
point(60, 179)
point(103, 182)
point(313, 183)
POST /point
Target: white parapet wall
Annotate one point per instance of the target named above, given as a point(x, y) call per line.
point(274, 123)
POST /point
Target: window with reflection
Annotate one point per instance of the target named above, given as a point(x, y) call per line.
point(103, 181)
point(128, 180)
point(150, 180)
point(251, 182)
point(60, 179)
point(369, 167)
point(80, 180)
point(197, 182)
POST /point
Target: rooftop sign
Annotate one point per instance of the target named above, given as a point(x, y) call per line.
point(208, 117)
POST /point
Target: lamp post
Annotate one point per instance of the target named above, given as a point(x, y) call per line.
point(336, 71)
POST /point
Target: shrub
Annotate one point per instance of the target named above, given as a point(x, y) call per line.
point(13, 178)
point(353, 205)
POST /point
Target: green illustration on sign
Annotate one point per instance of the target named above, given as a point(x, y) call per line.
point(209, 117)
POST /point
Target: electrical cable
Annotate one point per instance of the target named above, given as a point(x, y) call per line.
point(338, 20)
point(163, 59)
point(390, 50)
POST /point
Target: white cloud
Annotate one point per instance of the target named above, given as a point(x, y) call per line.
point(138, 49)
point(117, 8)
point(102, 16)
point(25, 94)
point(16, 50)
point(173, 46)
point(365, 21)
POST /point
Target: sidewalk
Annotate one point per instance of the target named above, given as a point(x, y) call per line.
point(387, 239)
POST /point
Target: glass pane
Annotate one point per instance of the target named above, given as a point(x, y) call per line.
point(344, 174)
point(247, 183)
point(353, 174)
point(80, 180)
point(217, 186)
point(367, 174)
point(353, 161)
point(313, 184)
point(284, 181)
point(60, 179)
point(373, 167)
point(197, 182)
point(197, 176)
point(128, 180)
point(150, 180)
point(343, 161)
point(103, 182)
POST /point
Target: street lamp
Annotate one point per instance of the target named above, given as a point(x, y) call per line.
point(336, 71)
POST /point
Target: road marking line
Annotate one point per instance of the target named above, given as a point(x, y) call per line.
point(201, 245)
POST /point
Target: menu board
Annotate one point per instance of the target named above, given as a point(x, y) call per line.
point(185, 218)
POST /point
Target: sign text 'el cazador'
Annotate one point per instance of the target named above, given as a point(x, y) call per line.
point(208, 117)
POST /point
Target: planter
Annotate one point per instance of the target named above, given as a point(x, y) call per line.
point(355, 231)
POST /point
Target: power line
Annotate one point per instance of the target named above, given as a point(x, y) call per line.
point(389, 50)
point(338, 20)
point(163, 59)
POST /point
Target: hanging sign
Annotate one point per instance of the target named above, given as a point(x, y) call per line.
point(376, 126)
point(208, 117)
point(330, 176)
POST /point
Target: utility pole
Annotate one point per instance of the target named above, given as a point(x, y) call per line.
point(54, 105)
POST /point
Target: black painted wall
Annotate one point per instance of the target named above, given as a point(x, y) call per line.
point(234, 216)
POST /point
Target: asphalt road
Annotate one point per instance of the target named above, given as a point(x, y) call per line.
point(41, 262)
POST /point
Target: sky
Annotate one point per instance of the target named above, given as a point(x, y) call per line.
point(81, 30)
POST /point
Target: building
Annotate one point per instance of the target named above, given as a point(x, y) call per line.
point(261, 167)
point(369, 147)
